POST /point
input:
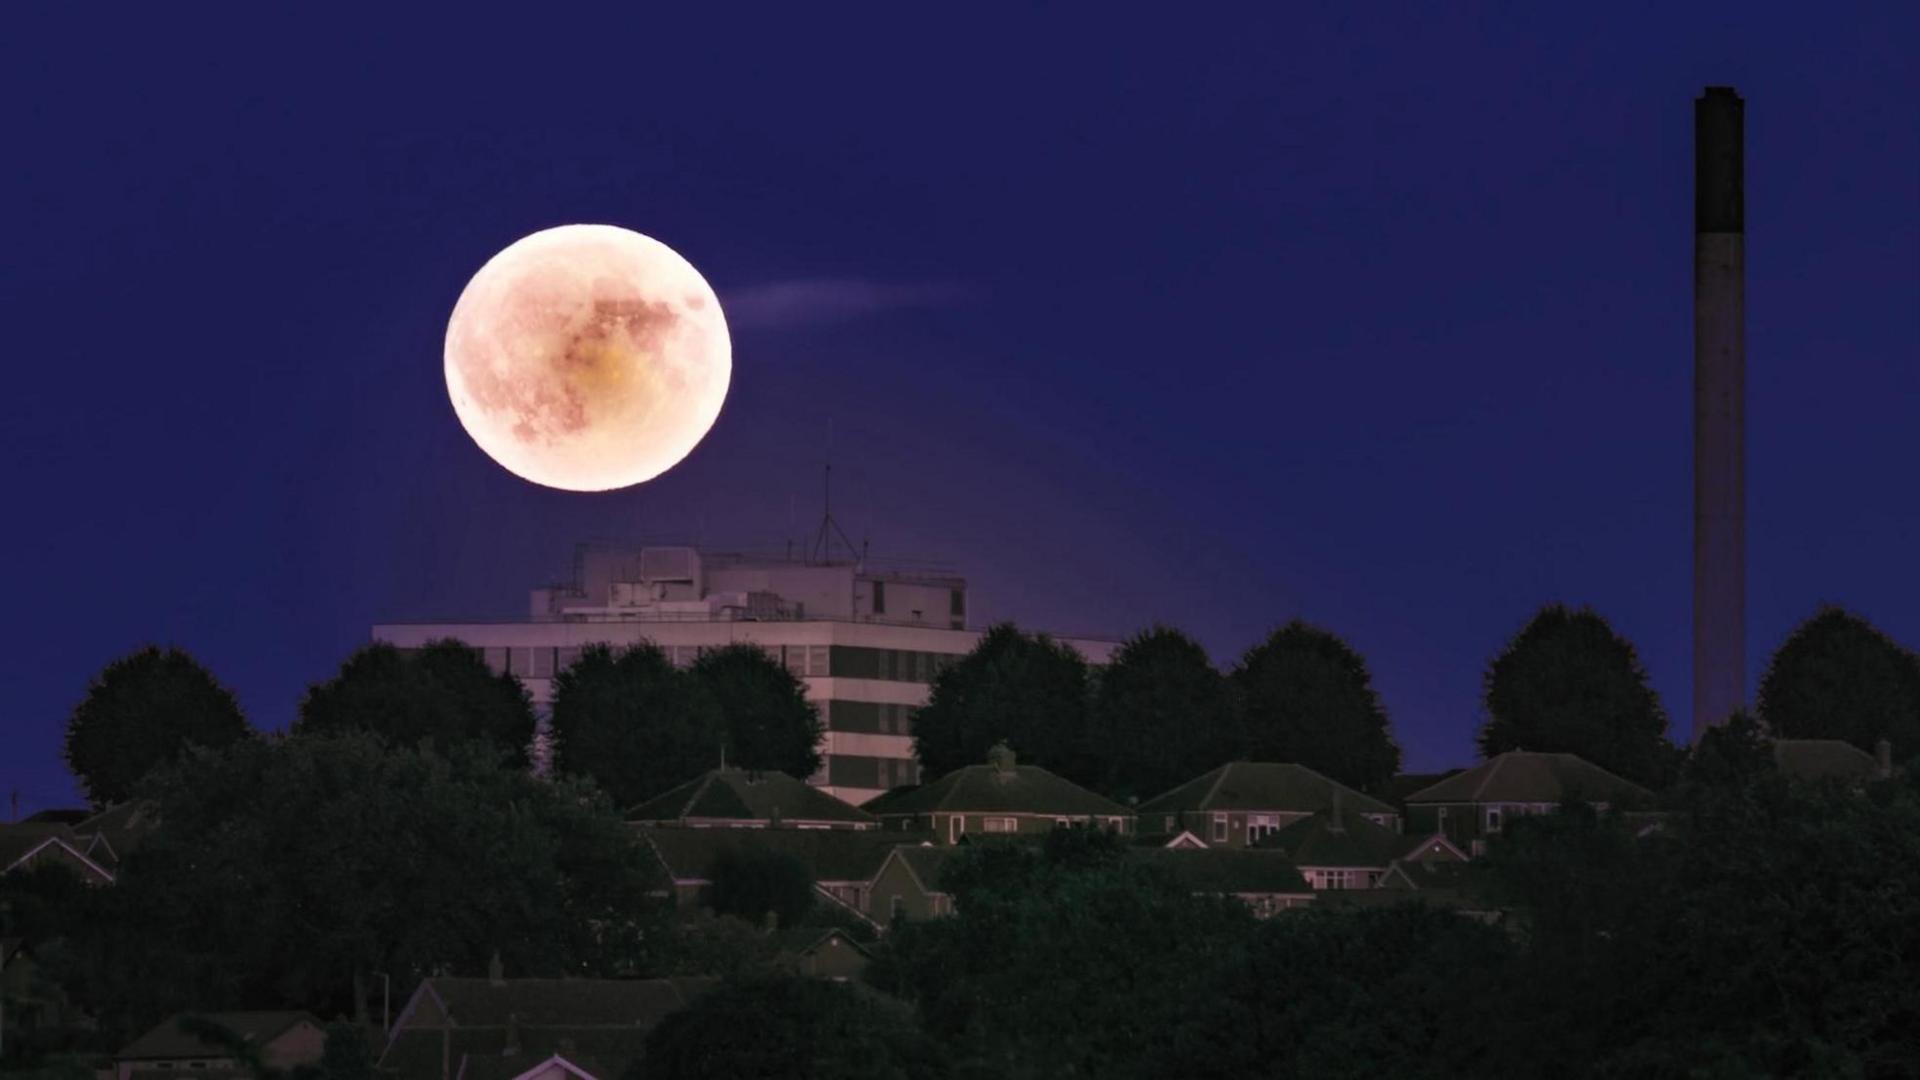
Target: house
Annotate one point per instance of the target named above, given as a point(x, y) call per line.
point(1241, 802)
point(25, 845)
point(1348, 851)
point(822, 952)
point(842, 862)
point(908, 885)
point(1470, 806)
point(1444, 884)
point(1263, 880)
point(727, 798)
point(110, 835)
point(1815, 760)
point(285, 1040)
point(999, 798)
point(496, 1028)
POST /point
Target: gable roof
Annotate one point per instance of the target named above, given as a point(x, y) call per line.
point(1527, 776)
point(1328, 840)
point(740, 795)
point(829, 854)
point(1263, 785)
point(1228, 870)
point(516, 1065)
point(19, 843)
point(997, 789)
point(1822, 759)
point(166, 1041)
point(1405, 784)
point(123, 826)
point(1419, 874)
point(805, 939)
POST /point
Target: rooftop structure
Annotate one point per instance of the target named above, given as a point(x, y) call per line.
point(742, 798)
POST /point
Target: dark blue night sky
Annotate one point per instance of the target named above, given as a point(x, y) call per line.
point(1212, 319)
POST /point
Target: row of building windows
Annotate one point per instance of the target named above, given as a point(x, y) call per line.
point(854, 771)
point(805, 661)
point(869, 717)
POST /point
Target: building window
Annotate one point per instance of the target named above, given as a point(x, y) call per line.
point(1335, 879)
point(879, 598)
point(1219, 828)
point(1493, 819)
point(1259, 825)
point(1443, 818)
point(1001, 825)
point(897, 908)
point(956, 825)
point(1169, 823)
point(956, 603)
point(816, 660)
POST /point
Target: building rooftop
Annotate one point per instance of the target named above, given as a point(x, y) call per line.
point(687, 854)
point(165, 1041)
point(741, 795)
point(1263, 786)
point(1002, 787)
point(1524, 776)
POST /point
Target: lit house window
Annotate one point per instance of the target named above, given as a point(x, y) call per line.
point(1259, 825)
point(1000, 825)
point(1219, 828)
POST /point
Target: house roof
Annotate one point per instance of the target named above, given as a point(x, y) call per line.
point(1263, 786)
point(18, 843)
point(927, 863)
point(1325, 839)
point(1526, 776)
point(166, 1041)
point(740, 795)
point(479, 1053)
point(123, 825)
point(829, 854)
point(1003, 788)
point(1822, 759)
point(1405, 784)
point(1228, 870)
point(805, 939)
point(554, 1003)
point(1419, 874)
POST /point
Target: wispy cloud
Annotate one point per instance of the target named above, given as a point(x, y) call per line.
point(812, 302)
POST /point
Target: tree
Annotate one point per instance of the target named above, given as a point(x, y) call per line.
point(1567, 683)
point(1730, 754)
point(768, 720)
point(1838, 677)
point(789, 1027)
point(633, 723)
point(442, 691)
point(1119, 947)
point(1306, 697)
point(283, 872)
point(1162, 715)
point(751, 882)
point(141, 711)
point(1026, 690)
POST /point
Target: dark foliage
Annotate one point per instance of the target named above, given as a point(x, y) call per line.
point(1306, 697)
point(442, 692)
point(798, 1028)
point(633, 722)
point(764, 710)
point(140, 712)
point(1567, 683)
point(1838, 677)
point(1162, 715)
point(1028, 691)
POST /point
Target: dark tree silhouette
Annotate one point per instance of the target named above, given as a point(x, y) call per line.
point(633, 723)
point(442, 691)
point(1838, 677)
point(1162, 715)
point(769, 722)
point(1730, 754)
point(750, 882)
point(141, 711)
point(1307, 698)
point(1026, 690)
point(806, 1029)
point(1567, 683)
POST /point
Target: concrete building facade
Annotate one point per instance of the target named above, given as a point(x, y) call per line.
point(865, 640)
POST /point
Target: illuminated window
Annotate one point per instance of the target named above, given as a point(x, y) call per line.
point(1219, 828)
point(1001, 825)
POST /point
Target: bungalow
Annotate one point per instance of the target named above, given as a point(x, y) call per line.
point(1347, 851)
point(27, 845)
point(842, 862)
point(502, 1029)
point(1239, 803)
point(1472, 805)
point(999, 798)
point(727, 798)
point(285, 1040)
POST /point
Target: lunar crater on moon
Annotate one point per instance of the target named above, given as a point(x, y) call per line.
point(587, 357)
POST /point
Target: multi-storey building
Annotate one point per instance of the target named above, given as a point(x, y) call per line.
point(866, 640)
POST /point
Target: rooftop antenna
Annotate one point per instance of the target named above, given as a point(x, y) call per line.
point(821, 550)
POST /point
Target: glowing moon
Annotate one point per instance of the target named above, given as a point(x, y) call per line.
point(588, 357)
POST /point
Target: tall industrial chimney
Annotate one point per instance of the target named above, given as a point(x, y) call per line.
point(1719, 408)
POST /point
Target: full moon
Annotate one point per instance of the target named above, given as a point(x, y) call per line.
point(588, 357)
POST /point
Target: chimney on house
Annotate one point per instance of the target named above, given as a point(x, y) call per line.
point(1002, 759)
